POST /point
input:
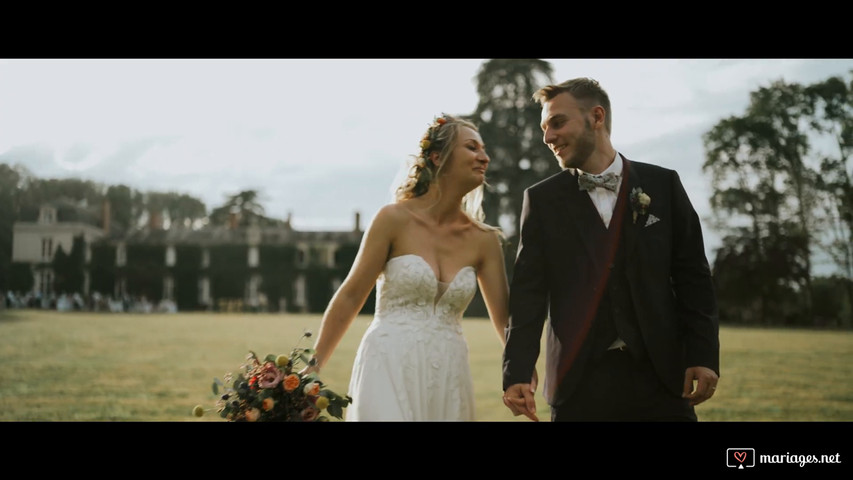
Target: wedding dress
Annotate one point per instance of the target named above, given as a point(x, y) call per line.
point(412, 363)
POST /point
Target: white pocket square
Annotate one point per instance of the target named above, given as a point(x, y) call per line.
point(651, 220)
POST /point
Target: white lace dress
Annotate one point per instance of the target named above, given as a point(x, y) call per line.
point(412, 363)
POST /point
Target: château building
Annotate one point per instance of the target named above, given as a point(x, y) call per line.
point(235, 267)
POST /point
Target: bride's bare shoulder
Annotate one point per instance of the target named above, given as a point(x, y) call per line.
point(390, 216)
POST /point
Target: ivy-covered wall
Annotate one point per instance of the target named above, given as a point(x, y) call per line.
point(277, 268)
point(229, 271)
point(21, 277)
point(344, 258)
point(186, 274)
point(145, 269)
point(102, 269)
point(68, 267)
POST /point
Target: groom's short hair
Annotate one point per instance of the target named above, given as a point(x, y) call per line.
point(587, 91)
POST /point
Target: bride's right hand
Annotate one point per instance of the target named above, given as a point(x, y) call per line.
point(312, 367)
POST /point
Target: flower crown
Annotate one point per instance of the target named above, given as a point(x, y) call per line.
point(430, 138)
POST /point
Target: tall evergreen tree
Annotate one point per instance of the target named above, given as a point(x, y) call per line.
point(509, 122)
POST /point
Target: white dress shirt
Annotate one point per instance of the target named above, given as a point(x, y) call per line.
point(603, 199)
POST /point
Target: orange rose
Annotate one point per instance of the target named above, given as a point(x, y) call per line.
point(291, 382)
point(253, 414)
point(267, 404)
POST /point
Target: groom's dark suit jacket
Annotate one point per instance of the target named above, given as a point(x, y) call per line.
point(558, 276)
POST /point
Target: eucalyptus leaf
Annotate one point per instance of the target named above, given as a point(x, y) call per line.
point(335, 410)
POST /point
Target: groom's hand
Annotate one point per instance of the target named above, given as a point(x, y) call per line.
point(519, 398)
point(706, 384)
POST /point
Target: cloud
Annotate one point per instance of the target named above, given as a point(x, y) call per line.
point(321, 138)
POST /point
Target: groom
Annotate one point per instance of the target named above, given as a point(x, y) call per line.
point(611, 253)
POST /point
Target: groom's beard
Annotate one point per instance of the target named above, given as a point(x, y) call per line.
point(584, 146)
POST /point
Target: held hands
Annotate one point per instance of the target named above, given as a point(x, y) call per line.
point(706, 384)
point(519, 398)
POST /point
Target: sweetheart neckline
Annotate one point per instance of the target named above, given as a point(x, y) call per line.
point(430, 267)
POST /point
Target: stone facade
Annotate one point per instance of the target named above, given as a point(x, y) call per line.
point(223, 267)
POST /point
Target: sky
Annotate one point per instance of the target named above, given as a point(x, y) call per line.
point(322, 139)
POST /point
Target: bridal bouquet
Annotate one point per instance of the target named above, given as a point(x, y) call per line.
point(274, 390)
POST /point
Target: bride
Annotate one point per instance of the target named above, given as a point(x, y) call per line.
point(426, 253)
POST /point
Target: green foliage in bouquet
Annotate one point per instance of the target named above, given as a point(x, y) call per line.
point(275, 390)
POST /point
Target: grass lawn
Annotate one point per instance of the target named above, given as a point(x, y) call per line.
point(99, 367)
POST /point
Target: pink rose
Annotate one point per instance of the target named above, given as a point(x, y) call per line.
point(270, 376)
point(311, 389)
point(309, 414)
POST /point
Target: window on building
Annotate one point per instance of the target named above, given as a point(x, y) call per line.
point(331, 254)
point(47, 249)
point(168, 287)
point(204, 291)
point(121, 254)
point(253, 287)
point(253, 256)
point(300, 298)
point(47, 215)
point(170, 256)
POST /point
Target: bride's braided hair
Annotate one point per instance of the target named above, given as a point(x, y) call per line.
point(439, 137)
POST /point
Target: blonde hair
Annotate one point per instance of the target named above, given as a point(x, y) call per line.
point(441, 137)
point(586, 91)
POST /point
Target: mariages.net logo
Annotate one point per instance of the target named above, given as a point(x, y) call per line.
point(742, 458)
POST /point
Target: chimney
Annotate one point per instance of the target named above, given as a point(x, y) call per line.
point(105, 220)
point(234, 218)
point(155, 220)
point(357, 221)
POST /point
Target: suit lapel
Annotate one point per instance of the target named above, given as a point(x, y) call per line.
point(631, 228)
point(579, 208)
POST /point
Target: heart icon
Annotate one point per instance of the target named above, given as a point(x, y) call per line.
point(740, 456)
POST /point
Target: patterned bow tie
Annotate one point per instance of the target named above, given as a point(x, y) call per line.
point(588, 181)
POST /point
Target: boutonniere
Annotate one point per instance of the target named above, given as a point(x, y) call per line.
point(639, 202)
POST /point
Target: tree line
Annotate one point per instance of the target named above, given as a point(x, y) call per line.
point(783, 201)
